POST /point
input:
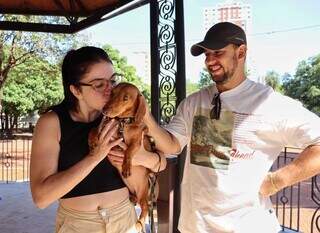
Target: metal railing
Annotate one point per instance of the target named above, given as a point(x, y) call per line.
point(297, 206)
point(15, 158)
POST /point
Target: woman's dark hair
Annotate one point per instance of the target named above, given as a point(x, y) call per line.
point(75, 64)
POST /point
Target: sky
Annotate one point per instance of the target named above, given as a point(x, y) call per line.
point(283, 33)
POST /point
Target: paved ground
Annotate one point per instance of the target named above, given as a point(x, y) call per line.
point(18, 213)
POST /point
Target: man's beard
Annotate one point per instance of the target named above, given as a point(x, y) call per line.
point(222, 79)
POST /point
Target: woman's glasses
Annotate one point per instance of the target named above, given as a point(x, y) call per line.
point(100, 85)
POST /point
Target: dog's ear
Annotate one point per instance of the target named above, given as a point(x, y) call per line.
point(141, 109)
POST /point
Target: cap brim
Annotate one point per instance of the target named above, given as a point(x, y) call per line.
point(199, 48)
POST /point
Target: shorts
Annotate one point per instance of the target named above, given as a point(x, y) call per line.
point(120, 218)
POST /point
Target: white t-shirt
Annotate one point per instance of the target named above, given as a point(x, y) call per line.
point(227, 159)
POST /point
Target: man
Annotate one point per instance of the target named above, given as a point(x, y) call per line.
point(234, 130)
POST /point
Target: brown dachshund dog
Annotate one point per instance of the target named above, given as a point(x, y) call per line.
point(127, 106)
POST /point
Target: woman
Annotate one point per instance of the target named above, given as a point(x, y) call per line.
point(92, 196)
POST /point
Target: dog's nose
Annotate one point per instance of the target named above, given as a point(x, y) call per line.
point(105, 111)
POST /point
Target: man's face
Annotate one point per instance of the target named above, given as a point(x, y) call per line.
point(222, 63)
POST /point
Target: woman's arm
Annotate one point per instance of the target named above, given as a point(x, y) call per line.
point(47, 184)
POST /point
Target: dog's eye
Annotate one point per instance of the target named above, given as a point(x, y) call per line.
point(125, 98)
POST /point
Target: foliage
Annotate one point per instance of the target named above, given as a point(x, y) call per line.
point(272, 79)
point(205, 79)
point(34, 85)
point(305, 85)
point(17, 47)
point(29, 60)
point(191, 87)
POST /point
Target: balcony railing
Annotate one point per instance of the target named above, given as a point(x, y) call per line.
point(297, 206)
point(15, 158)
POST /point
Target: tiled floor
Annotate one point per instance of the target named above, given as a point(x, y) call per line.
point(18, 213)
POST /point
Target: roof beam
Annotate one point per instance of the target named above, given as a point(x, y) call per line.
point(80, 4)
point(74, 26)
point(106, 14)
point(34, 27)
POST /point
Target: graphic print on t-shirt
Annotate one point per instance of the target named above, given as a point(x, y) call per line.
point(211, 140)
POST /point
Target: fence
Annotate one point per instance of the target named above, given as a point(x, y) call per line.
point(15, 158)
point(297, 206)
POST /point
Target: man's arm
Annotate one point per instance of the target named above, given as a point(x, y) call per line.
point(306, 165)
point(164, 141)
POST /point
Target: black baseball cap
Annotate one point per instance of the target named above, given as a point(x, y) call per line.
point(219, 36)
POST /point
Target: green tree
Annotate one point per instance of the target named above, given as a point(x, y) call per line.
point(205, 79)
point(33, 85)
point(305, 84)
point(18, 47)
point(191, 87)
point(272, 79)
point(121, 65)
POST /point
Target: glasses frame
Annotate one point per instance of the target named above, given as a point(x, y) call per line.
point(107, 80)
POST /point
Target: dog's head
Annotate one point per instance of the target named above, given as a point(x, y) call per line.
point(125, 101)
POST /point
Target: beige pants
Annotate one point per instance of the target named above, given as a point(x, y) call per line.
point(117, 219)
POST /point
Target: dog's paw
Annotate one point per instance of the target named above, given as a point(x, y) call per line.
point(140, 228)
point(126, 169)
point(126, 172)
point(133, 198)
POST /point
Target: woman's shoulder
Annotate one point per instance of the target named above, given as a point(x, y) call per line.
point(49, 119)
point(55, 113)
point(47, 127)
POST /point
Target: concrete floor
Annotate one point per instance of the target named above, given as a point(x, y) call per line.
point(18, 214)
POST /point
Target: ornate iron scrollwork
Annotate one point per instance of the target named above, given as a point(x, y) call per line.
point(168, 57)
point(315, 195)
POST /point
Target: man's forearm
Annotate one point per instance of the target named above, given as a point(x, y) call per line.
point(306, 165)
point(164, 141)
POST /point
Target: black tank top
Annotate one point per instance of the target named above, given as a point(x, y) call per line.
point(74, 147)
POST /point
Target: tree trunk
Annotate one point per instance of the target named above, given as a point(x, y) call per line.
point(6, 122)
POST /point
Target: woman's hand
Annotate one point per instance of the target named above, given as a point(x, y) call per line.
point(116, 155)
point(153, 161)
point(105, 140)
point(141, 155)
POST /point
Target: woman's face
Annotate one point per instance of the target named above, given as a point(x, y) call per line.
point(96, 84)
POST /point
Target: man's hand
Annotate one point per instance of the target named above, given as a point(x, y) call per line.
point(270, 185)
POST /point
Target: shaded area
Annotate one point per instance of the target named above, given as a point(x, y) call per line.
point(18, 213)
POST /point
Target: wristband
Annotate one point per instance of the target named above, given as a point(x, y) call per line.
point(273, 184)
